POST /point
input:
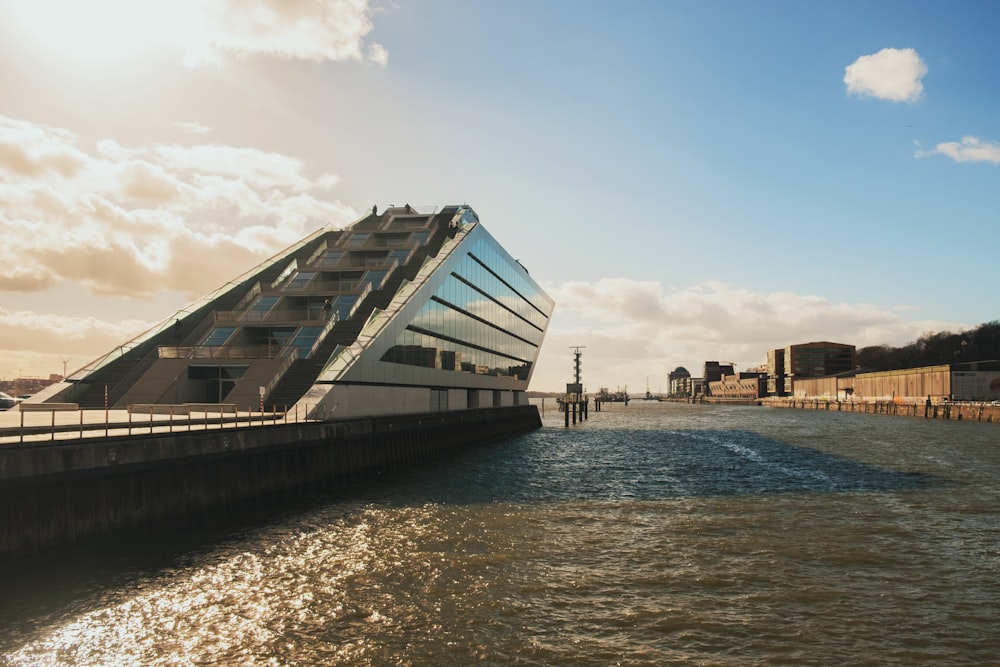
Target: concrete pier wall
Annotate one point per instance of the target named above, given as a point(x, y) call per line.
point(57, 493)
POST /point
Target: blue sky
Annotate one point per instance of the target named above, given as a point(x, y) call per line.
point(689, 180)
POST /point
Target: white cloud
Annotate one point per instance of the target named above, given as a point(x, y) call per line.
point(890, 74)
point(633, 330)
point(103, 32)
point(316, 30)
point(193, 127)
point(970, 149)
point(36, 344)
point(136, 221)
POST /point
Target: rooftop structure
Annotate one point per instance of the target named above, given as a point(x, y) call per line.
point(401, 312)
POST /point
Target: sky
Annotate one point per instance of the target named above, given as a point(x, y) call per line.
point(689, 181)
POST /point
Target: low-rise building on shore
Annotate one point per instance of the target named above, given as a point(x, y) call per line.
point(972, 381)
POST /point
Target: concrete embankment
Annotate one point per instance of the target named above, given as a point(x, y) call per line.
point(60, 492)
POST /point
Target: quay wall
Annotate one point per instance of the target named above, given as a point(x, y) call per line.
point(58, 493)
point(978, 412)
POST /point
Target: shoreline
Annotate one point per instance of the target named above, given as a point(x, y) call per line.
point(977, 412)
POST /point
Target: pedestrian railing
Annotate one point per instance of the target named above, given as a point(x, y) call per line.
point(145, 418)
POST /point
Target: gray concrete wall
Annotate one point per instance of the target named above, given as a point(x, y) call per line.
point(56, 493)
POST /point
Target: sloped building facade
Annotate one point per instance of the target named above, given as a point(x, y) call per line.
point(401, 312)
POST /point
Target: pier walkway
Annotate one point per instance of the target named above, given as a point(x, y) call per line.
point(66, 424)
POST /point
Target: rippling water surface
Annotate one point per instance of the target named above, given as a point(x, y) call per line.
point(648, 535)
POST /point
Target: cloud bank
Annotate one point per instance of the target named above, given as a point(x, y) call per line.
point(320, 30)
point(205, 31)
point(891, 74)
point(133, 221)
point(633, 330)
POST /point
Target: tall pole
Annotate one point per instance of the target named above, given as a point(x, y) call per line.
point(574, 391)
point(576, 362)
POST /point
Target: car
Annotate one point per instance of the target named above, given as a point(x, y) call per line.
point(995, 403)
point(7, 401)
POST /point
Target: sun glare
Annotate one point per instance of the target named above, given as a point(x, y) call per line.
point(102, 32)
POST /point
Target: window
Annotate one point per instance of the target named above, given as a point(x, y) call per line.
point(211, 384)
point(301, 279)
point(219, 336)
point(261, 307)
point(343, 305)
point(305, 339)
point(399, 255)
point(374, 278)
point(331, 258)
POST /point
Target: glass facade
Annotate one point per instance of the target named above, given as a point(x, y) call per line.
point(373, 278)
point(815, 360)
point(305, 339)
point(342, 305)
point(301, 279)
point(488, 317)
point(331, 258)
point(261, 307)
point(218, 336)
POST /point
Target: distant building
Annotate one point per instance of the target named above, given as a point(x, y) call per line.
point(698, 387)
point(776, 372)
point(972, 381)
point(812, 360)
point(679, 382)
point(744, 385)
point(714, 372)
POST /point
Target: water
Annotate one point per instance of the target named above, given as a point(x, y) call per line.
point(649, 535)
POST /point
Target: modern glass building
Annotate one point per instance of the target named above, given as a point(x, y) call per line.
point(402, 312)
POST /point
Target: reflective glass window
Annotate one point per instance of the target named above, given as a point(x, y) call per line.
point(261, 307)
point(374, 278)
point(399, 255)
point(343, 304)
point(219, 336)
point(305, 339)
point(331, 258)
point(488, 317)
point(301, 279)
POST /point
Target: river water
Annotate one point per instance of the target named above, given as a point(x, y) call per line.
point(652, 534)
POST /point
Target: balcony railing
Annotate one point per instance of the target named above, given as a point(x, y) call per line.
point(224, 352)
point(314, 314)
